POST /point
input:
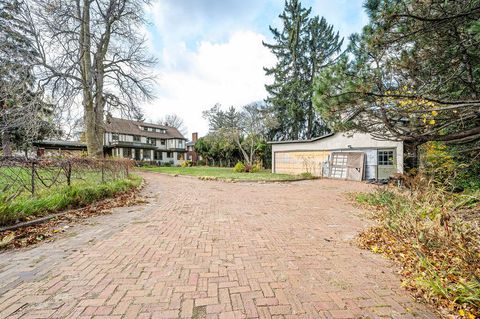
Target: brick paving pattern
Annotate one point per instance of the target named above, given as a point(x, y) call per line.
point(204, 249)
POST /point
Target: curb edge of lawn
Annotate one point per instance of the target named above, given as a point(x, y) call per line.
point(46, 218)
point(229, 180)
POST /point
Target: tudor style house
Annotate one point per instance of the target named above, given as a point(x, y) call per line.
point(139, 141)
point(144, 141)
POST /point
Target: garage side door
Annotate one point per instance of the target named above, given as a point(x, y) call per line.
point(347, 165)
point(297, 162)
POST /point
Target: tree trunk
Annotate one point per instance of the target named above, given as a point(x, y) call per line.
point(309, 119)
point(310, 110)
point(410, 156)
point(92, 103)
point(93, 131)
point(244, 154)
point(7, 149)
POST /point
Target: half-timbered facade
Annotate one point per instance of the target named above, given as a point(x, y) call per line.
point(143, 141)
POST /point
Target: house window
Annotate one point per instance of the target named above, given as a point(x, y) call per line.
point(169, 155)
point(145, 128)
point(162, 142)
point(136, 138)
point(385, 158)
point(158, 155)
point(115, 137)
point(151, 141)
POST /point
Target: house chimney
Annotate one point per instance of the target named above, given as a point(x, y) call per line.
point(194, 137)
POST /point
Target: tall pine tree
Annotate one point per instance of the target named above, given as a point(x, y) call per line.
point(303, 46)
point(286, 94)
point(323, 47)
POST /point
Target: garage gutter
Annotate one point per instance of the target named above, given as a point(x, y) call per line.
point(301, 141)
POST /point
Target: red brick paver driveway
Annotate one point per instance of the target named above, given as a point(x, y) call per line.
point(203, 249)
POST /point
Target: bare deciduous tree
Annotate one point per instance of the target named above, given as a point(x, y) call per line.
point(175, 121)
point(91, 52)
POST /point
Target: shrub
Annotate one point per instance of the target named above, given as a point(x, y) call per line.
point(256, 168)
point(438, 161)
point(201, 163)
point(187, 163)
point(448, 167)
point(239, 168)
point(434, 235)
point(382, 197)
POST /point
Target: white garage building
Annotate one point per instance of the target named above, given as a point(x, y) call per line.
point(355, 156)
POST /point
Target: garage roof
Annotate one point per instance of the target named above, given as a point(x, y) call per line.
point(302, 141)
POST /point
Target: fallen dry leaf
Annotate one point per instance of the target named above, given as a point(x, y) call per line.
point(30, 235)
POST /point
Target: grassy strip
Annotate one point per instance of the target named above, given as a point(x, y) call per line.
point(79, 194)
point(225, 173)
point(427, 231)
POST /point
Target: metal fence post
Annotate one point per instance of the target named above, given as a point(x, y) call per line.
point(69, 173)
point(103, 172)
point(33, 178)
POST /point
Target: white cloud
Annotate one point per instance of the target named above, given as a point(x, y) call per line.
point(229, 73)
point(211, 51)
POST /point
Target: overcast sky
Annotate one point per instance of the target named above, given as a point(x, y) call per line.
point(210, 51)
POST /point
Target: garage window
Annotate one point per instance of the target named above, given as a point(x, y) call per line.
point(340, 160)
point(385, 158)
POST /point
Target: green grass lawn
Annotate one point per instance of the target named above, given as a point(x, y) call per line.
point(49, 200)
point(224, 173)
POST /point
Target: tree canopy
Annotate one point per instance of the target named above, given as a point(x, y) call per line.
point(92, 52)
point(303, 46)
point(236, 133)
point(175, 121)
point(413, 74)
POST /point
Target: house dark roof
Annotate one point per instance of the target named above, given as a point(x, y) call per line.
point(60, 144)
point(302, 141)
point(121, 126)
